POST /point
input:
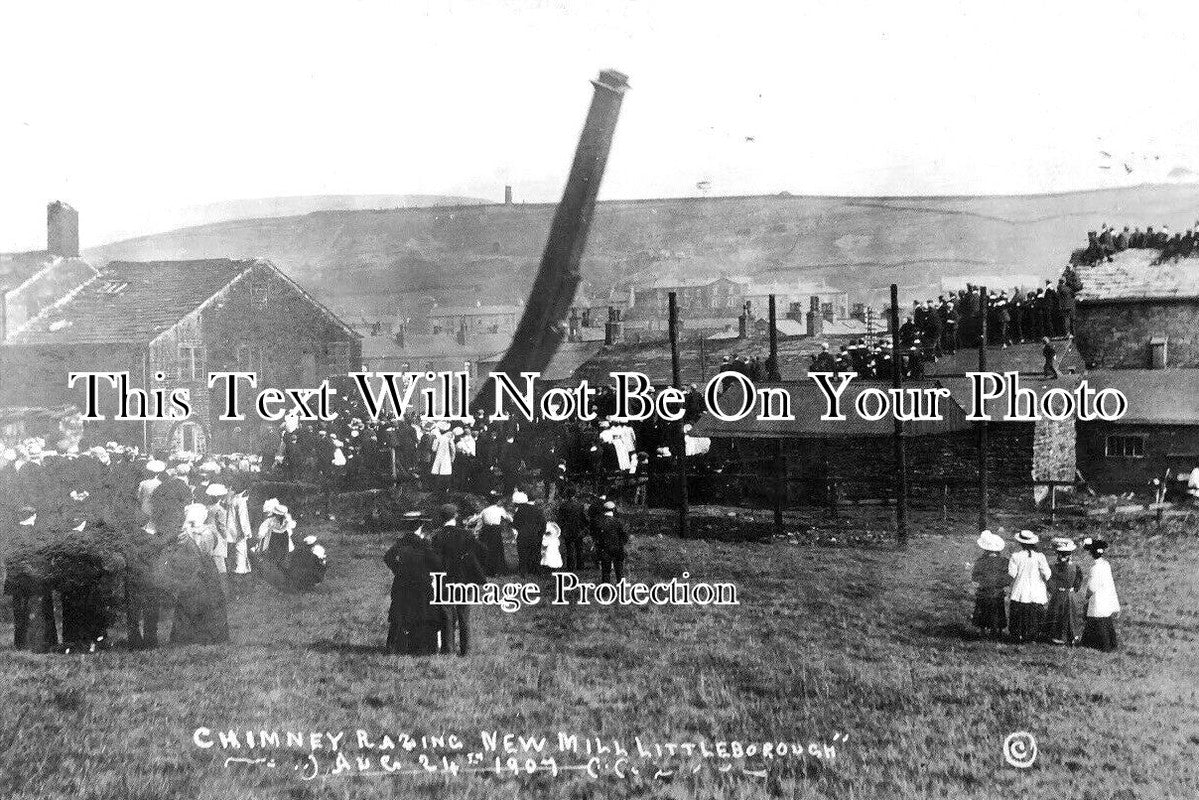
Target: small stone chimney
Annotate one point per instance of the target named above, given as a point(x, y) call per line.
point(507, 195)
point(572, 331)
point(815, 318)
point(744, 322)
point(62, 230)
point(1158, 358)
point(614, 329)
point(401, 328)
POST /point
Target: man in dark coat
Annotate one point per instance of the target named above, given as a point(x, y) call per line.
point(1065, 304)
point(30, 594)
point(459, 554)
point(413, 621)
point(952, 335)
point(572, 518)
point(1050, 369)
point(1051, 310)
point(168, 501)
point(529, 523)
point(142, 598)
point(610, 544)
point(595, 514)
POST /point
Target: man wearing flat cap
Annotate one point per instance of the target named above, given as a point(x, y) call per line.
point(610, 544)
point(460, 556)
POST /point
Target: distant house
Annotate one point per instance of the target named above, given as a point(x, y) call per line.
point(698, 296)
point(592, 310)
point(167, 324)
point(1133, 314)
point(1159, 432)
point(789, 296)
point(425, 352)
point(473, 320)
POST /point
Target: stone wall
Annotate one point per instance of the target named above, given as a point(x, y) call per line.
point(1173, 447)
point(862, 468)
point(1116, 335)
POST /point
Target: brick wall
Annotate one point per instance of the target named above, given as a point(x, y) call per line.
point(1116, 335)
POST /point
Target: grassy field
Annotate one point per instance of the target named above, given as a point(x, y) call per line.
point(828, 642)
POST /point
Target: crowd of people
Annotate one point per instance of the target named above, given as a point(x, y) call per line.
point(469, 547)
point(955, 320)
point(1106, 242)
point(1034, 600)
point(93, 535)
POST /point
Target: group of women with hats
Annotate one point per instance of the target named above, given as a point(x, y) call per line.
point(1040, 596)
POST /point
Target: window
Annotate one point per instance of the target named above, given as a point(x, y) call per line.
point(189, 438)
point(249, 358)
point(191, 362)
point(1125, 447)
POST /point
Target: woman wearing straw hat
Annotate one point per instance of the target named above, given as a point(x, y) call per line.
point(1029, 570)
point(1064, 580)
point(275, 542)
point(990, 574)
point(1103, 606)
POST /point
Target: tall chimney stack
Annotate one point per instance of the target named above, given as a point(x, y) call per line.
point(62, 230)
point(815, 317)
point(507, 195)
point(541, 326)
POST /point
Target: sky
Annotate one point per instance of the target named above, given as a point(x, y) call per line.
point(135, 111)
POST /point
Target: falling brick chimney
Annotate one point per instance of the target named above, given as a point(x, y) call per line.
point(815, 318)
point(62, 230)
point(507, 195)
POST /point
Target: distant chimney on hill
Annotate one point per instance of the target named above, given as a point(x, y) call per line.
point(507, 195)
point(62, 230)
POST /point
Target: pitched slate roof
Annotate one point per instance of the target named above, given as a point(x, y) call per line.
point(653, 358)
point(808, 405)
point(1025, 358)
point(426, 346)
point(1132, 275)
point(16, 268)
point(473, 311)
point(131, 302)
point(1155, 396)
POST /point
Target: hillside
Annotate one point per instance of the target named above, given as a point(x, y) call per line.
point(264, 207)
point(859, 244)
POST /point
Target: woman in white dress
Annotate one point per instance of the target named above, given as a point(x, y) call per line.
point(1029, 569)
point(1103, 606)
point(551, 547)
point(442, 470)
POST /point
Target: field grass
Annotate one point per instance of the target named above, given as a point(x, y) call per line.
point(827, 642)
